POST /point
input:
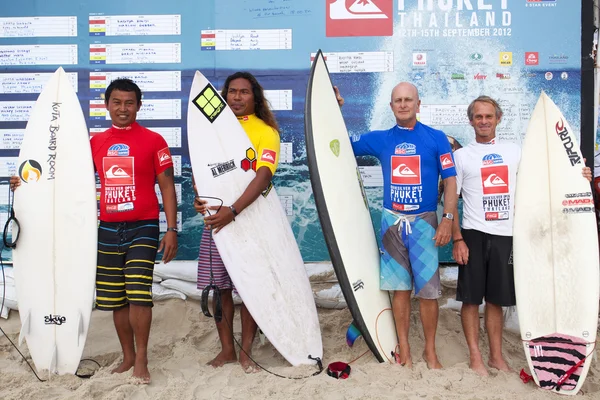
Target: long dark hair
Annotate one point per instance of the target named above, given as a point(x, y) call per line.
point(261, 104)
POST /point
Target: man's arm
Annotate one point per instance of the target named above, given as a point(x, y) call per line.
point(225, 214)
point(169, 197)
point(444, 230)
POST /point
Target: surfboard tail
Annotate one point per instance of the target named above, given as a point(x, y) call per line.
point(352, 334)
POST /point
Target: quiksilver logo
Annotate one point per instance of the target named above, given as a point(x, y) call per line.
point(567, 143)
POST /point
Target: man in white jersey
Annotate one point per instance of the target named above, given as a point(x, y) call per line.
point(486, 176)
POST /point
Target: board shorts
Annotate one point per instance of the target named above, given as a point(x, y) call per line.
point(126, 256)
point(209, 258)
point(489, 272)
point(409, 254)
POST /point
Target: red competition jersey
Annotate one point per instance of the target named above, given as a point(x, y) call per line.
point(128, 161)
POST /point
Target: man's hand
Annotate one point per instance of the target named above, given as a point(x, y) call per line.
point(460, 252)
point(169, 245)
point(443, 233)
point(200, 205)
point(338, 96)
point(15, 182)
point(217, 221)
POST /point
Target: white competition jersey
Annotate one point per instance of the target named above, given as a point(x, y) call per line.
point(486, 174)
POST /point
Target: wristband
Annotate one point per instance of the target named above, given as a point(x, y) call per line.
point(458, 240)
point(235, 213)
point(172, 230)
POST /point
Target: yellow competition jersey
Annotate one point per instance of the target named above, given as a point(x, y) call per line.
point(264, 139)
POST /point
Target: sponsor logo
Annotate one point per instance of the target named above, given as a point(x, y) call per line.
point(268, 156)
point(334, 145)
point(359, 284)
point(558, 59)
point(457, 76)
point(164, 156)
point(446, 161)
point(500, 75)
point(577, 210)
point(532, 58)
point(120, 150)
point(30, 171)
point(404, 207)
point(406, 148)
point(355, 138)
point(406, 170)
point(51, 319)
point(359, 18)
point(548, 76)
point(493, 158)
point(505, 58)
point(564, 76)
point(118, 171)
point(567, 143)
point(249, 163)
point(222, 168)
point(476, 57)
point(496, 216)
point(479, 77)
point(576, 202)
point(419, 59)
point(495, 179)
point(210, 103)
point(115, 208)
point(574, 195)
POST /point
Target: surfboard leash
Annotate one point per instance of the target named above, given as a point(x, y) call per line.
point(11, 222)
point(219, 309)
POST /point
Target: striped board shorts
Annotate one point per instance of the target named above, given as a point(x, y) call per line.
point(209, 255)
point(126, 255)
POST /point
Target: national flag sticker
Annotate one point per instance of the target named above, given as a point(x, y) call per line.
point(210, 103)
point(446, 161)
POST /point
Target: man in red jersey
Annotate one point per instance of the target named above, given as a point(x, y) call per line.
point(129, 160)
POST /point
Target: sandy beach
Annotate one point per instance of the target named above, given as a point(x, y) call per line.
point(182, 341)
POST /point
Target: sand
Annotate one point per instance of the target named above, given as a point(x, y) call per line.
point(182, 341)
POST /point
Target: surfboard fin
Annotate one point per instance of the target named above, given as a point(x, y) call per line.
point(352, 334)
point(25, 327)
point(53, 360)
point(80, 333)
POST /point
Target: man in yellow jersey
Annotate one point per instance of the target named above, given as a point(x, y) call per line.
point(245, 96)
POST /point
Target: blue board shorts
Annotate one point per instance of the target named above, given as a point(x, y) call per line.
point(409, 254)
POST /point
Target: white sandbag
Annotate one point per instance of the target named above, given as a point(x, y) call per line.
point(511, 320)
point(8, 273)
point(190, 290)
point(449, 277)
point(320, 272)
point(330, 298)
point(181, 270)
point(452, 304)
point(156, 279)
point(162, 293)
point(10, 296)
point(4, 312)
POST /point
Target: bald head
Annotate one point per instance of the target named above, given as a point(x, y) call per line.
point(405, 87)
point(405, 104)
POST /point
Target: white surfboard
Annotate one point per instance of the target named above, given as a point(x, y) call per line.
point(55, 257)
point(344, 214)
point(258, 248)
point(555, 253)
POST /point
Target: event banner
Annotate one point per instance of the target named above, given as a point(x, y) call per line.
point(452, 50)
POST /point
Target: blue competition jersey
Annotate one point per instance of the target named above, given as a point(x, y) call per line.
point(411, 160)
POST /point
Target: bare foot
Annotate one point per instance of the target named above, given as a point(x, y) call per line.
point(248, 365)
point(432, 361)
point(477, 365)
point(500, 365)
point(223, 358)
point(141, 373)
point(123, 367)
point(402, 355)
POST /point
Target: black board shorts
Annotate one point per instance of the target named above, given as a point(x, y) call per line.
point(489, 272)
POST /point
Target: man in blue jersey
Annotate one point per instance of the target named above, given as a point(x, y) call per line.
point(412, 157)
